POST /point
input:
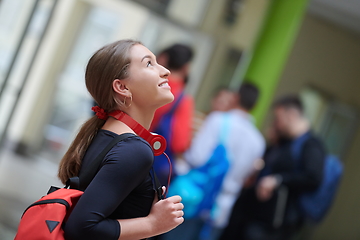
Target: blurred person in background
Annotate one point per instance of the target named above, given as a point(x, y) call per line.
point(270, 210)
point(124, 76)
point(224, 100)
point(244, 144)
point(174, 121)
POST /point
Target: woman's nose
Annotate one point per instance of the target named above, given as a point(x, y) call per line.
point(164, 72)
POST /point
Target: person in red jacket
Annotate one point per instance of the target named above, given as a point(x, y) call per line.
point(174, 121)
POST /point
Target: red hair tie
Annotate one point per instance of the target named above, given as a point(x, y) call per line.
point(100, 113)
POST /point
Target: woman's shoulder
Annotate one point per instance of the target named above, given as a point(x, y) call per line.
point(132, 148)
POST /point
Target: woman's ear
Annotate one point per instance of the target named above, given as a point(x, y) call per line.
point(120, 87)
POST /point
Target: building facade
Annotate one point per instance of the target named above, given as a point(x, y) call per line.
point(308, 48)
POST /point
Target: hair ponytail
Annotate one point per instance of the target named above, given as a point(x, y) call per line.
point(106, 65)
point(71, 162)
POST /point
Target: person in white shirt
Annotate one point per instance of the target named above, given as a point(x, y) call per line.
point(244, 145)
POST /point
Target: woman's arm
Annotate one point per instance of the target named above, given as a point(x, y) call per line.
point(165, 215)
point(127, 165)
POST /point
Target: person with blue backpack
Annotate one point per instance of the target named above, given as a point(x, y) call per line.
point(297, 184)
point(221, 156)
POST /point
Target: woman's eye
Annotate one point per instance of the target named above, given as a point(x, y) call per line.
point(148, 63)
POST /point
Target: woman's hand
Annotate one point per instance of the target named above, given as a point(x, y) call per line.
point(166, 214)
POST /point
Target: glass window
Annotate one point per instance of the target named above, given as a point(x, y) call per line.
point(338, 126)
point(333, 120)
point(72, 101)
point(158, 6)
point(22, 27)
point(13, 18)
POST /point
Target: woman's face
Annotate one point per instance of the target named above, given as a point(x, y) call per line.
point(147, 80)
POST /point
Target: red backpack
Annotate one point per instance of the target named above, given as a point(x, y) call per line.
point(43, 220)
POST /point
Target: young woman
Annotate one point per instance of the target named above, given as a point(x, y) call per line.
point(120, 201)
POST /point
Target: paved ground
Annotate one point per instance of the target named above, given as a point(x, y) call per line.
point(22, 181)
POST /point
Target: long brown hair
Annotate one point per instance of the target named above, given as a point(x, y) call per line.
point(107, 64)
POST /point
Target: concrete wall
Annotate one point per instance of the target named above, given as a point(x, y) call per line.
point(327, 57)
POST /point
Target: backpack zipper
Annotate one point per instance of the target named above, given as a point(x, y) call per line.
point(56, 200)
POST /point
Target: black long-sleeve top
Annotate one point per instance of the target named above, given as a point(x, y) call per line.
point(122, 189)
point(298, 173)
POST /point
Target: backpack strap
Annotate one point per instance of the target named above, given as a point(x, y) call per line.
point(224, 128)
point(157, 185)
point(297, 146)
point(90, 172)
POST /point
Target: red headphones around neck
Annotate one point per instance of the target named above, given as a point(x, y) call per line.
point(157, 142)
